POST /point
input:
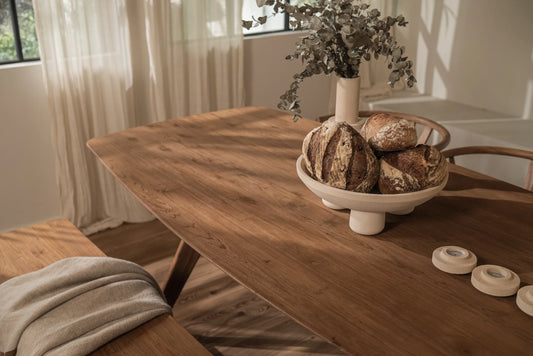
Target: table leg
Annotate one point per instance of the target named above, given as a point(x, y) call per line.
point(184, 261)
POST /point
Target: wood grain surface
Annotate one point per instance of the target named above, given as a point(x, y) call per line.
point(225, 183)
point(224, 316)
point(32, 248)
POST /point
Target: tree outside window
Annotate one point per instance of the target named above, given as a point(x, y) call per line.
point(18, 40)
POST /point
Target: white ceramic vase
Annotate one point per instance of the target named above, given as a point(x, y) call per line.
point(347, 102)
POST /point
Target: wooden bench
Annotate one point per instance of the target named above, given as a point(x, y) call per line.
point(31, 248)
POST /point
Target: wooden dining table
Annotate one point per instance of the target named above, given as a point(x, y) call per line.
point(225, 183)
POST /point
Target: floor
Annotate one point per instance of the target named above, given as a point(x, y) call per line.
point(224, 316)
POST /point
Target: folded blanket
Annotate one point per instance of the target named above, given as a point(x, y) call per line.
point(76, 305)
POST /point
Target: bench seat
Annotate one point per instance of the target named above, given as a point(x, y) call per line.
point(32, 248)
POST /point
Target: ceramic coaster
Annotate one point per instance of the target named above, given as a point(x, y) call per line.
point(454, 259)
point(524, 299)
point(495, 280)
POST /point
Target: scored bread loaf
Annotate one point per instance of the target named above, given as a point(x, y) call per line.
point(385, 132)
point(411, 170)
point(337, 155)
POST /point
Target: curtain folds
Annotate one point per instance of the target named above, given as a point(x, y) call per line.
point(113, 64)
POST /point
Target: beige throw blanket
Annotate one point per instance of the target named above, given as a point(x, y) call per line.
point(76, 305)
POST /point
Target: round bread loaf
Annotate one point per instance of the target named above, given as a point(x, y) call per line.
point(337, 155)
point(385, 132)
point(411, 170)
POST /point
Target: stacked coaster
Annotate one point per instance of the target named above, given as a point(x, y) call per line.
point(524, 299)
point(490, 279)
point(495, 280)
point(454, 259)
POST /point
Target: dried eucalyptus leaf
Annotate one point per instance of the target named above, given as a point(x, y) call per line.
point(353, 53)
point(394, 77)
point(396, 53)
point(315, 23)
point(247, 24)
point(374, 13)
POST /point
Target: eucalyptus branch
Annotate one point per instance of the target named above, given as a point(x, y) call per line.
point(340, 35)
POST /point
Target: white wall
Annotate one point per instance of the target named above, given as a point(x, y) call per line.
point(28, 191)
point(476, 52)
point(268, 74)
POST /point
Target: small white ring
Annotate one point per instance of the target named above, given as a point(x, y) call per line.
point(495, 280)
point(454, 259)
point(524, 299)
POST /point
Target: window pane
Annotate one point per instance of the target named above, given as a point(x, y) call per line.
point(7, 40)
point(28, 37)
point(274, 23)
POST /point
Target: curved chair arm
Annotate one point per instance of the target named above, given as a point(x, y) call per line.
point(496, 150)
point(429, 126)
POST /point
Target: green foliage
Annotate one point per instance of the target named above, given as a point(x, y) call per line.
point(7, 44)
point(340, 35)
point(28, 37)
point(26, 21)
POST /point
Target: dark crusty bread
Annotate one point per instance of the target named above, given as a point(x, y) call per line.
point(385, 132)
point(335, 154)
point(411, 170)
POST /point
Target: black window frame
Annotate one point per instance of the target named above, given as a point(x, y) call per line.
point(16, 37)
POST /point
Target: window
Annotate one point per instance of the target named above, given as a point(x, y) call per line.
point(278, 23)
point(18, 40)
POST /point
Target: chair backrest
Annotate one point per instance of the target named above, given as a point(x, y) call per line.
point(429, 126)
point(496, 150)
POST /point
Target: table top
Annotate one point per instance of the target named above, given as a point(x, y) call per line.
point(225, 182)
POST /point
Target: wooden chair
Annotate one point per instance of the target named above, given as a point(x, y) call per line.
point(495, 150)
point(429, 126)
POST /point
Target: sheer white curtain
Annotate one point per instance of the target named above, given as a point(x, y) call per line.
point(113, 64)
